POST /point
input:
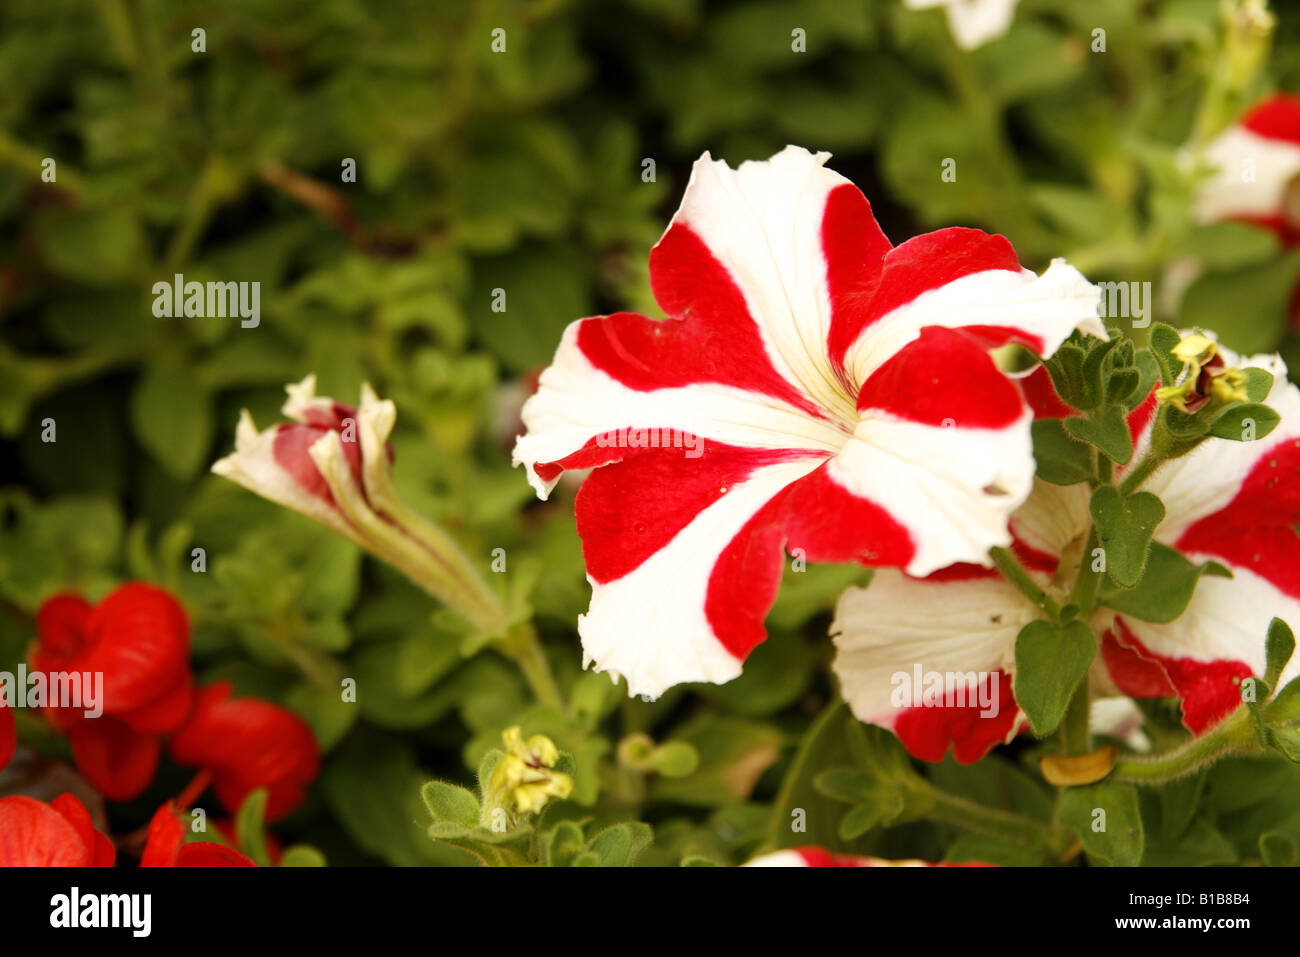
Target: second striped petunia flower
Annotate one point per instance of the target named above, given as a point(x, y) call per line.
point(814, 388)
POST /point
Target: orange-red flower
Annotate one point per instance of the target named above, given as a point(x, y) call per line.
point(138, 639)
point(166, 846)
point(245, 744)
point(58, 834)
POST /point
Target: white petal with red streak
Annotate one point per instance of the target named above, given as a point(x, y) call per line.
point(763, 221)
point(954, 489)
point(1226, 620)
point(897, 622)
point(650, 625)
point(1046, 308)
point(253, 465)
point(1236, 190)
point(576, 402)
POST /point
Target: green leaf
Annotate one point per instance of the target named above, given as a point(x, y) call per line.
point(1050, 662)
point(801, 814)
point(1259, 383)
point(992, 850)
point(1256, 298)
point(1108, 432)
point(676, 759)
point(1285, 705)
point(619, 845)
point(1062, 460)
point(96, 247)
point(1066, 371)
point(1277, 849)
point(250, 827)
point(1108, 819)
point(1166, 587)
point(450, 804)
point(1164, 339)
point(1286, 739)
point(1245, 423)
point(1124, 527)
point(1279, 646)
point(1149, 371)
point(861, 819)
point(845, 784)
point(373, 784)
point(563, 844)
point(1220, 246)
point(172, 417)
point(302, 855)
point(733, 753)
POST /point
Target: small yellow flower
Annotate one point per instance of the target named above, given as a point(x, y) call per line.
point(1196, 349)
point(524, 779)
point(1206, 378)
point(1229, 386)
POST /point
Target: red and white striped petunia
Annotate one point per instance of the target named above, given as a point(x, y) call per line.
point(820, 857)
point(1256, 175)
point(1236, 503)
point(813, 388)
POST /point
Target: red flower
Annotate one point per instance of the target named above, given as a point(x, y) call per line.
point(58, 834)
point(8, 735)
point(137, 638)
point(247, 744)
point(166, 846)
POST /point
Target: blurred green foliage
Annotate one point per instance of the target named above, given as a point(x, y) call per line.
point(520, 171)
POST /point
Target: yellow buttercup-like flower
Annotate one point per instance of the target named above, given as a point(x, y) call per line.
point(524, 779)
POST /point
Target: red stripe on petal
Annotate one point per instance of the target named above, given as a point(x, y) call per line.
point(942, 377)
point(991, 337)
point(935, 259)
point(629, 510)
point(1142, 413)
point(596, 451)
point(928, 732)
point(712, 337)
point(1277, 118)
point(854, 248)
point(1041, 395)
point(831, 524)
point(1134, 675)
point(290, 449)
point(1256, 530)
point(820, 857)
point(1209, 690)
point(745, 580)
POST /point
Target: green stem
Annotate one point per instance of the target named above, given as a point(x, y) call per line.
point(1004, 825)
point(1086, 583)
point(1014, 572)
point(1235, 735)
point(1135, 476)
point(522, 646)
point(1076, 736)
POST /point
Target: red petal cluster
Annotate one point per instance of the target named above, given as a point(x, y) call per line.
point(58, 834)
point(245, 744)
point(138, 639)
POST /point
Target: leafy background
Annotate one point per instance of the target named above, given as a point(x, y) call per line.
point(522, 171)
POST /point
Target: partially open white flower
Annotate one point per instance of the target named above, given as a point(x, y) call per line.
point(332, 463)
